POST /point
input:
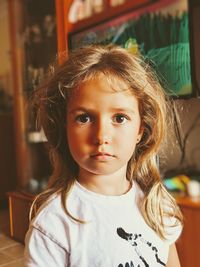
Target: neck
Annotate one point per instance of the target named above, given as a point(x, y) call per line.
point(110, 184)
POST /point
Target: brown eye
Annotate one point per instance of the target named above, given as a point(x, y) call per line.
point(83, 118)
point(120, 119)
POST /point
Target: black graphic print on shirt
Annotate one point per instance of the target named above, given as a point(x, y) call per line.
point(128, 265)
point(134, 239)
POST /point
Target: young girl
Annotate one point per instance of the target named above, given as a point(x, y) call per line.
point(104, 115)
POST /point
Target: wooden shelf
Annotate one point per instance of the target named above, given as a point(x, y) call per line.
point(189, 202)
point(188, 246)
point(107, 14)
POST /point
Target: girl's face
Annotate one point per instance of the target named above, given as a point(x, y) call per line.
point(103, 126)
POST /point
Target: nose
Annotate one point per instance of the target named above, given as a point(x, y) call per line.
point(102, 133)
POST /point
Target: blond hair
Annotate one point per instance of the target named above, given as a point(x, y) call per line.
point(51, 100)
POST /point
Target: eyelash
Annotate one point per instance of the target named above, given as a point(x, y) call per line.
point(85, 118)
point(116, 116)
point(79, 117)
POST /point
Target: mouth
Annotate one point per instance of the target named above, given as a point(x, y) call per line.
point(102, 156)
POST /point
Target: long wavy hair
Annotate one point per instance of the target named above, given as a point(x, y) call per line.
point(50, 101)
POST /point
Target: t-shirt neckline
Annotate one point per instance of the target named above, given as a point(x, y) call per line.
point(91, 195)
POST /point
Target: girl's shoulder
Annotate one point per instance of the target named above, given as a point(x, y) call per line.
point(49, 225)
point(51, 222)
point(50, 214)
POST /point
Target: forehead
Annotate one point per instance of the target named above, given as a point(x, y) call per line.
point(103, 93)
point(107, 81)
point(114, 82)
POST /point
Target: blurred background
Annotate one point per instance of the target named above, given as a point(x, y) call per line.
point(34, 33)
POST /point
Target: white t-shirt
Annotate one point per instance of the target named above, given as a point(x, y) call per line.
point(114, 235)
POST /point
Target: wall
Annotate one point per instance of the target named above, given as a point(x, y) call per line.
point(188, 111)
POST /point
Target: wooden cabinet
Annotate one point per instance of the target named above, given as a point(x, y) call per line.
point(7, 156)
point(188, 245)
point(33, 40)
point(7, 136)
point(19, 208)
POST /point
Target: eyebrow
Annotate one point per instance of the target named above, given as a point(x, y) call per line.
point(87, 110)
point(129, 110)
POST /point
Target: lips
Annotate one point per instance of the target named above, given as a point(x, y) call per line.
point(102, 156)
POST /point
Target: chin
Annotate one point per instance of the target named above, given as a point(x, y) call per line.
point(102, 171)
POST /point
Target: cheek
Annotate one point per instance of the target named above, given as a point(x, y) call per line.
point(74, 147)
point(76, 141)
point(71, 139)
point(128, 140)
point(131, 133)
